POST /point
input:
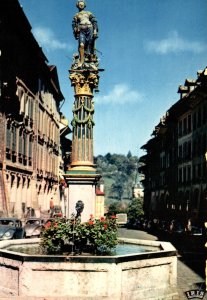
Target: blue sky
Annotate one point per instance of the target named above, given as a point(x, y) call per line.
point(147, 48)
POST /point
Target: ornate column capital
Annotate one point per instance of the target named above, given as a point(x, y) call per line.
point(84, 81)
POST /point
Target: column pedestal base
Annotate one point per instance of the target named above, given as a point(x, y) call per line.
point(82, 186)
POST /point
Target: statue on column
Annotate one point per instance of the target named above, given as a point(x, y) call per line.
point(85, 30)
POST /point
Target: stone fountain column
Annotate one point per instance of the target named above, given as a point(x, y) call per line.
point(81, 175)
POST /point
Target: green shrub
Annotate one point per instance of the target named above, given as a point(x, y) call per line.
point(95, 236)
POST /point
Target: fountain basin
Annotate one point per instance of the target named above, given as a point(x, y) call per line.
point(147, 275)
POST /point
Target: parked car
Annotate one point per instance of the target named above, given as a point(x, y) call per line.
point(196, 231)
point(33, 227)
point(11, 228)
point(178, 228)
point(121, 219)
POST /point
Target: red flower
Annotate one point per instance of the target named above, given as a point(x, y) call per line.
point(90, 222)
point(113, 217)
point(102, 219)
point(47, 225)
point(105, 226)
point(91, 216)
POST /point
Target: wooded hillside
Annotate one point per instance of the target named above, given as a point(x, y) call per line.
point(119, 173)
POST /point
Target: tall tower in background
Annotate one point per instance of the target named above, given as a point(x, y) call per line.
point(81, 176)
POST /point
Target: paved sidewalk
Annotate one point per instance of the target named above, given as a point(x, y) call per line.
point(187, 280)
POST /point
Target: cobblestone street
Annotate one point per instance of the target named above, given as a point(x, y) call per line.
point(188, 279)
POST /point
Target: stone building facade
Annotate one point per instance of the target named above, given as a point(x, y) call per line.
point(175, 169)
point(29, 120)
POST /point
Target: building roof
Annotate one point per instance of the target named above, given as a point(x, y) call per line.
point(12, 10)
point(99, 192)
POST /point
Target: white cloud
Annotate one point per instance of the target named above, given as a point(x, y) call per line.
point(47, 39)
point(174, 43)
point(120, 94)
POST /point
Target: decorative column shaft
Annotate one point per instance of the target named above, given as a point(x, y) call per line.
point(83, 109)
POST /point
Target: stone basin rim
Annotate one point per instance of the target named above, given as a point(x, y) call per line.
point(165, 250)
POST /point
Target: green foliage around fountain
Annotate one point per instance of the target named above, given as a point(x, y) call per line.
point(97, 236)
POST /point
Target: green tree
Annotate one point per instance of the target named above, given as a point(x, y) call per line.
point(117, 190)
point(135, 209)
point(117, 207)
point(118, 186)
point(113, 209)
point(119, 172)
point(129, 154)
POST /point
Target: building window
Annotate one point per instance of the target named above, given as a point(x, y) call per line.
point(195, 147)
point(30, 149)
point(31, 108)
point(199, 145)
point(185, 126)
point(188, 173)
point(204, 146)
point(204, 114)
point(14, 138)
point(8, 137)
point(189, 124)
point(25, 139)
point(184, 174)
point(199, 171)
point(180, 175)
point(189, 150)
point(8, 142)
point(194, 172)
point(204, 169)
point(180, 154)
point(185, 147)
point(22, 103)
point(194, 120)
point(180, 128)
point(199, 118)
point(20, 145)
point(27, 106)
